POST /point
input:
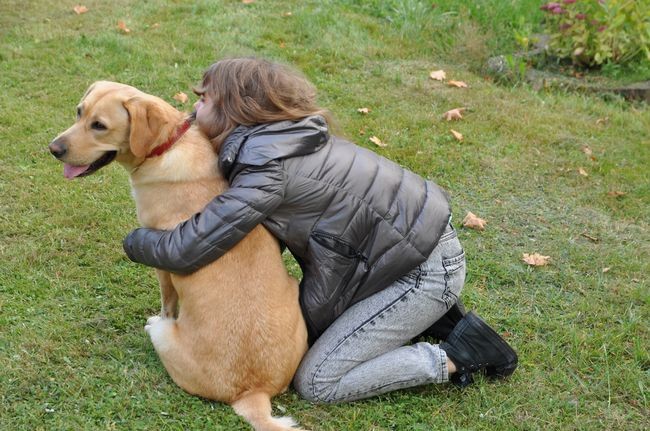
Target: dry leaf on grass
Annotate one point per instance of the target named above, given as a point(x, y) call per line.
point(585, 149)
point(287, 14)
point(79, 9)
point(181, 97)
point(454, 114)
point(582, 172)
point(375, 140)
point(457, 135)
point(606, 269)
point(363, 111)
point(458, 84)
point(122, 26)
point(248, 1)
point(616, 193)
point(473, 222)
point(536, 259)
point(438, 75)
point(602, 121)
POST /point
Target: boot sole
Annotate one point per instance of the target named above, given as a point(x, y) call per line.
point(500, 372)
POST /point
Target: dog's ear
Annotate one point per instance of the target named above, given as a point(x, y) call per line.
point(91, 88)
point(149, 123)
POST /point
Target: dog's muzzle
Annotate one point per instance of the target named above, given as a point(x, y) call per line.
point(58, 148)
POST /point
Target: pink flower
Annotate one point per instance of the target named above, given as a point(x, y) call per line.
point(557, 11)
point(550, 6)
point(569, 1)
point(581, 16)
point(602, 28)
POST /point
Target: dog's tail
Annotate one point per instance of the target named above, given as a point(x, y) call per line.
point(255, 407)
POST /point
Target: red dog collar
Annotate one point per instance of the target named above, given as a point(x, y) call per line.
point(160, 149)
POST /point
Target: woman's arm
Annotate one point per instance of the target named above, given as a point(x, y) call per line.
point(254, 194)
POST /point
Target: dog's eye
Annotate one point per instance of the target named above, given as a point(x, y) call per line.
point(98, 126)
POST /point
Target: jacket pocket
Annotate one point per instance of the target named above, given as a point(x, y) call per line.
point(335, 260)
point(335, 244)
point(328, 272)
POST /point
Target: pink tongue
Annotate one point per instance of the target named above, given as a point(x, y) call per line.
point(70, 171)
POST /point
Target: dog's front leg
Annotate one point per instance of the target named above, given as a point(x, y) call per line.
point(168, 295)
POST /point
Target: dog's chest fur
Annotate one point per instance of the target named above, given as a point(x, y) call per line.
point(174, 186)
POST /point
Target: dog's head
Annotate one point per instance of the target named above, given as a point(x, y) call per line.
point(114, 121)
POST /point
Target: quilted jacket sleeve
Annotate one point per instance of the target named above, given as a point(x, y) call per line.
point(255, 192)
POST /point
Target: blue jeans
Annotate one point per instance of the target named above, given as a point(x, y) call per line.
point(364, 352)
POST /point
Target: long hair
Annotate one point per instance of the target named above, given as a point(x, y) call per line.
point(252, 91)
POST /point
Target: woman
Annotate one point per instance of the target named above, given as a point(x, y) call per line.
point(381, 263)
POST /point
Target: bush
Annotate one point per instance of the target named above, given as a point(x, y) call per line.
point(595, 32)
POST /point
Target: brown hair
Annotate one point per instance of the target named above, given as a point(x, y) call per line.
point(252, 91)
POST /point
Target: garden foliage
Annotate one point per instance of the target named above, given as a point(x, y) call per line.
point(595, 32)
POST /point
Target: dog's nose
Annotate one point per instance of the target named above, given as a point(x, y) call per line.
point(58, 148)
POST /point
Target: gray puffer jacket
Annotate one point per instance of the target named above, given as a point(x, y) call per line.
point(354, 220)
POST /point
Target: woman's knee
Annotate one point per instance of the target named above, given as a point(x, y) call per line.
point(305, 384)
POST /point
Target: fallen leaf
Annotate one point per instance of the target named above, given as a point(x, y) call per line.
point(282, 45)
point(582, 172)
point(375, 140)
point(457, 135)
point(606, 269)
point(155, 25)
point(287, 14)
point(585, 149)
point(459, 84)
point(536, 259)
point(602, 121)
point(248, 1)
point(181, 97)
point(79, 9)
point(473, 222)
point(122, 26)
point(616, 193)
point(454, 114)
point(363, 110)
point(362, 131)
point(438, 75)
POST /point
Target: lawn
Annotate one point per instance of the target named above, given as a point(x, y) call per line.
point(561, 174)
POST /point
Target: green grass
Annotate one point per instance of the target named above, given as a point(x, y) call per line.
point(73, 355)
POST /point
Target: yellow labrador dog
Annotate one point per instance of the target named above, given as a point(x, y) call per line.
point(233, 330)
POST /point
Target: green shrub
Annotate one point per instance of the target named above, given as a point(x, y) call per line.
point(596, 32)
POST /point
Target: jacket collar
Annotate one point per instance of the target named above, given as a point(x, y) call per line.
point(258, 144)
point(232, 144)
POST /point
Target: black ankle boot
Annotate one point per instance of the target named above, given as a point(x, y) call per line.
point(473, 346)
point(443, 327)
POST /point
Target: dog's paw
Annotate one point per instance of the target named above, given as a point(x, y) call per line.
point(150, 322)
